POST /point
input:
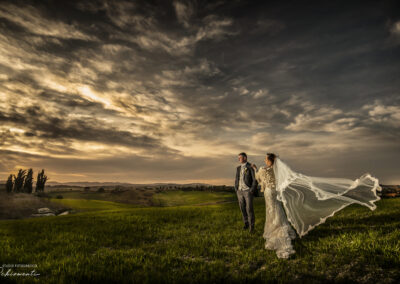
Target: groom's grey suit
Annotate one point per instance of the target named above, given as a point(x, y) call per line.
point(245, 186)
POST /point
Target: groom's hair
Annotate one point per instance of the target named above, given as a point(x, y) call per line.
point(243, 154)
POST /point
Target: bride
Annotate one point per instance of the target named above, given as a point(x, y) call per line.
point(298, 203)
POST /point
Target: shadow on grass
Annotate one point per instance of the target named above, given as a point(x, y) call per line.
point(385, 223)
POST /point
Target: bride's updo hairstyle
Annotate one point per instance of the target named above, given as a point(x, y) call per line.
point(271, 157)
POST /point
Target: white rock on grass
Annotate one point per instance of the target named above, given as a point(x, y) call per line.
point(48, 212)
point(44, 210)
point(43, 215)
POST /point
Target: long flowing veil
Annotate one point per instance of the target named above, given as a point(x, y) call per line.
point(308, 201)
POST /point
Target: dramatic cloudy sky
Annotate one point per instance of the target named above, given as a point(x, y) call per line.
point(172, 91)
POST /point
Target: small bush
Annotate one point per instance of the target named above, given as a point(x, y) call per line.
point(41, 194)
point(117, 189)
point(59, 197)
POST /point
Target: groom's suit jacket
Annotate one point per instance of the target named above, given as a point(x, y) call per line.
point(249, 178)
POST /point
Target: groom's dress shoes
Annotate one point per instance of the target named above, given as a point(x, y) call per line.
point(246, 226)
point(251, 230)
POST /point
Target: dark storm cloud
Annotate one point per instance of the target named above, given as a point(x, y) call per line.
point(44, 126)
point(194, 79)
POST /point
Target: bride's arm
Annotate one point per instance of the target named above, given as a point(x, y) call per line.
point(257, 173)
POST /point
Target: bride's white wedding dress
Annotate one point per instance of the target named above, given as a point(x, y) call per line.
point(278, 233)
point(298, 202)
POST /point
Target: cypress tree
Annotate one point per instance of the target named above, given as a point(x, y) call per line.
point(9, 184)
point(41, 180)
point(19, 180)
point(28, 181)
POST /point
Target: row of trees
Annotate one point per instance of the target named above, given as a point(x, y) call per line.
point(199, 188)
point(23, 181)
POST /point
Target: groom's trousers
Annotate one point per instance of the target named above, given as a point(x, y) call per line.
point(245, 198)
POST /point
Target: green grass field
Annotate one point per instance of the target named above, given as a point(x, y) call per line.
point(121, 243)
point(132, 196)
point(175, 198)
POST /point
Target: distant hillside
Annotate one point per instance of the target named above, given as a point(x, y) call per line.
point(94, 184)
point(390, 191)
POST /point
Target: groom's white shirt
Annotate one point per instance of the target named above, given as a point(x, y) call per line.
point(242, 184)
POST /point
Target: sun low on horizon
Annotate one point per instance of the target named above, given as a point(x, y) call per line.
point(173, 91)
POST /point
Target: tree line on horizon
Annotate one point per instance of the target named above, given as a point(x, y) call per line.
point(23, 181)
point(197, 188)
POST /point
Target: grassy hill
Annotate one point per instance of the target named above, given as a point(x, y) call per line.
point(177, 197)
point(22, 205)
point(132, 196)
point(110, 241)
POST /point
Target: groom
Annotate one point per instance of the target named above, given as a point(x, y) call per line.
point(245, 186)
